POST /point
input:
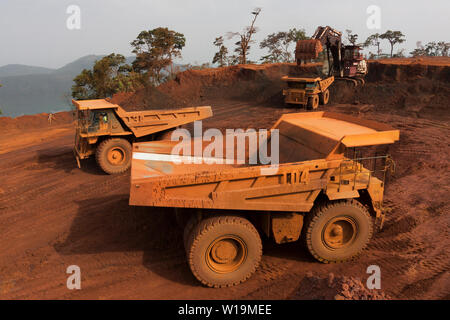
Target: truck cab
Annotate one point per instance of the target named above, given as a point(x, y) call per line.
point(106, 130)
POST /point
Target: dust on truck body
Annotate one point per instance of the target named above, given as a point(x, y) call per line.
point(317, 193)
point(107, 131)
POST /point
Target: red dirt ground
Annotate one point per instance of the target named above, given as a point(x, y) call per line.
point(53, 214)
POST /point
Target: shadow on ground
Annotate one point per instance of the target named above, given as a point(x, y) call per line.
point(109, 224)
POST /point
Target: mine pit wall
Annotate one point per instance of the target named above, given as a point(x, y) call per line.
point(406, 72)
point(418, 88)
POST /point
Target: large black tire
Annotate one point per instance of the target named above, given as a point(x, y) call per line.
point(114, 155)
point(313, 102)
point(223, 251)
point(324, 97)
point(337, 231)
point(191, 223)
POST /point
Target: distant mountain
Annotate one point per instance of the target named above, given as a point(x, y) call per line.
point(22, 70)
point(31, 90)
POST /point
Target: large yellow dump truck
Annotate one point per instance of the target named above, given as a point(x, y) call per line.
point(107, 130)
point(308, 92)
point(317, 192)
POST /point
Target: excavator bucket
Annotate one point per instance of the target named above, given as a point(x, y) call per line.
point(307, 49)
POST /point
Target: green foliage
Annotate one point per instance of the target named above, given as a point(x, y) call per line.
point(221, 56)
point(155, 51)
point(278, 44)
point(351, 37)
point(393, 37)
point(373, 40)
point(202, 66)
point(108, 76)
point(432, 49)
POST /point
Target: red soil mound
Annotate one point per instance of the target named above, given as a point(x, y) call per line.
point(336, 288)
point(243, 82)
point(417, 86)
point(34, 121)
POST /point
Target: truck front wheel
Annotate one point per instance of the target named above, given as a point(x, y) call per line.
point(114, 155)
point(324, 97)
point(338, 231)
point(313, 101)
point(223, 251)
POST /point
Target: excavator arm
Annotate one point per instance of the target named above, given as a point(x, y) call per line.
point(324, 37)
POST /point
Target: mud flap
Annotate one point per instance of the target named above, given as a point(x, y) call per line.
point(78, 160)
point(379, 218)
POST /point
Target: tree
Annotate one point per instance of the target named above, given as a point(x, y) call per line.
point(373, 40)
point(108, 76)
point(245, 38)
point(351, 37)
point(433, 48)
point(393, 37)
point(273, 44)
point(419, 51)
point(279, 45)
point(155, 50)
point(221, 56)
point(299, 34)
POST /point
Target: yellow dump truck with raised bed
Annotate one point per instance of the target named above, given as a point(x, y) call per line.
point(107, 131)
point(319, 191)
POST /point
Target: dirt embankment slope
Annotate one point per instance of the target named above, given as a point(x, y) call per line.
point(416, 86)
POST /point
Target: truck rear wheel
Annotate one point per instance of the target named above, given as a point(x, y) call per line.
point(191, 223)
point(114, 155)
point(313, 102)
point(338, 231)
point(324, 97)
point(223, 251)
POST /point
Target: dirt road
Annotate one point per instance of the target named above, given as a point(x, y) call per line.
point(53, 215)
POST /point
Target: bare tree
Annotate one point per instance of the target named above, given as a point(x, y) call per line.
point(245, 38)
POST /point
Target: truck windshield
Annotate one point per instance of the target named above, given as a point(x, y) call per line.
point(296, 85)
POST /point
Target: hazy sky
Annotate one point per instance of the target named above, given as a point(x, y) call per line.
point(34, 32)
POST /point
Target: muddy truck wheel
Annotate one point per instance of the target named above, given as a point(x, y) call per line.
point(190, 225)
point(223, 251)
point(337, 231)
point(313, 102)
point(324, 97)
point(114, 155)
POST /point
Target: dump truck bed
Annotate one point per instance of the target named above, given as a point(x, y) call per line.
point(311, 151)
point(146, 122)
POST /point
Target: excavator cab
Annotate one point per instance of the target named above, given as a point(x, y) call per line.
point(353, 62)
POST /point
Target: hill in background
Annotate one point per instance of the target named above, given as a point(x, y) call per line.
point(31, 90)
